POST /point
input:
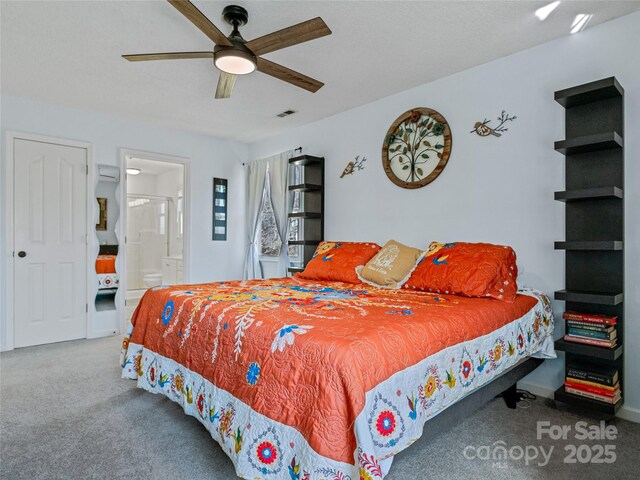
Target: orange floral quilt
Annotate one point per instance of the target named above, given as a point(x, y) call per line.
point(313, 380)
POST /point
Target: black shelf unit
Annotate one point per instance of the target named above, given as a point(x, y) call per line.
point(589, 245)
point(306, 218)
point(592, 406)
point(589, 143)
point(607, 192)
point(589, 350)
point(594, 223)
point(605, 89)
point(306, 187)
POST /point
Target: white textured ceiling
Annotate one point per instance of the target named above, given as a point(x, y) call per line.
point(69, 53)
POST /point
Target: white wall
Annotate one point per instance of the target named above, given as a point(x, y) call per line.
point(493, 189)
point(209, 261)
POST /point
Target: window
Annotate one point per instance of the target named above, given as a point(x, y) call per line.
point(270, 241)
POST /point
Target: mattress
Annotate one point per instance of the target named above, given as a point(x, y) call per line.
point(316, 380)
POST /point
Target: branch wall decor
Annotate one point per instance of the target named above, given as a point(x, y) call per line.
point(416, 148)
point(357, 164)
point(484, 130)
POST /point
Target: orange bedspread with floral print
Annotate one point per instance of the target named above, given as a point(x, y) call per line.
point(305, 353)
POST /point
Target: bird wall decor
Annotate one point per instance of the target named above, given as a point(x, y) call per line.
point(484, 130)
point(356, 164)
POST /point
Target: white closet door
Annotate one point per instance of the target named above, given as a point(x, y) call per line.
point(50, 227)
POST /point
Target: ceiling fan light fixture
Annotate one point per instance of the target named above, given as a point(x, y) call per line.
point(234, 61)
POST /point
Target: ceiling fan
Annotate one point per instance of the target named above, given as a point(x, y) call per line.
point(233, 55)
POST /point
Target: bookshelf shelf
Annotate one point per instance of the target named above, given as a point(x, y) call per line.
point(307, 215)
point(600, 298)
point(593, 405)
point(589, 143)
point(606, 88)
point(594, 227)
point(595, 193)
point(306, 187)
point(588, 350)
point(304, 242)
point(590, 245)
point(305, 160)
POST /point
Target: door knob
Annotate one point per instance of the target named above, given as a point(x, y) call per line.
point(22, 254)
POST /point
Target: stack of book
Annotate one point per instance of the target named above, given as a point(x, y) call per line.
point(590, 329)
point(594, 382)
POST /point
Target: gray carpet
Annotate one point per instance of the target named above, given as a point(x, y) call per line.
point(65, 413)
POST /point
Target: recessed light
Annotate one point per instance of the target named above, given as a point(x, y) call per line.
point(133, 171)
point(543, 12)
point(580, 22)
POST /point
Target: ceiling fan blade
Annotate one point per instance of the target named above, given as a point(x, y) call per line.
point(143, 57)
point(225, 85)
point(288, 75)
point(196, 17)
point(302, 32)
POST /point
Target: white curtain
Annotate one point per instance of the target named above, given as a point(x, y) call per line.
point(256, 174)
point(280, 198)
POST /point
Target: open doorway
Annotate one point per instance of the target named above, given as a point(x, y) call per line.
point(155, 224)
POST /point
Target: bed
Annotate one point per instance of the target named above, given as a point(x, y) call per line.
point(308, 380)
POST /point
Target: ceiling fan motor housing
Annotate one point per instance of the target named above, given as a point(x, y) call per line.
point(235, 15)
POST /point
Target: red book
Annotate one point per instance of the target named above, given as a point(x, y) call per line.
point(590, 318)
point(589, 341)
point(593, 396)
point(590, 389)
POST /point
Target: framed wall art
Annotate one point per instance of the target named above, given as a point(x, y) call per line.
point(101, 226)
point(416, 148)
point(219, 209)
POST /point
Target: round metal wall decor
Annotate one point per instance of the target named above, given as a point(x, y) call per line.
point(416, 148)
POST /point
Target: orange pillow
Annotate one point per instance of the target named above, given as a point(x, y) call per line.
point(469, 269)
point(337, 261)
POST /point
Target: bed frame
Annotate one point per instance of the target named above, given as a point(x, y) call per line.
point(504, 385)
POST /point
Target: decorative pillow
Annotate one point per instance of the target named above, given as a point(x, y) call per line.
point(392, 265)
point(469, 269)
point(337, 261)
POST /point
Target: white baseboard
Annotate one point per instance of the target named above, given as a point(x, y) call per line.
point(537, 390)
point(627, 413)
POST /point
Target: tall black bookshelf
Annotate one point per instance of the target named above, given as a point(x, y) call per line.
point(306, 215)
point(594, 225)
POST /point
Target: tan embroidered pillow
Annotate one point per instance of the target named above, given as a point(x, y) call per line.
point(392, 265)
